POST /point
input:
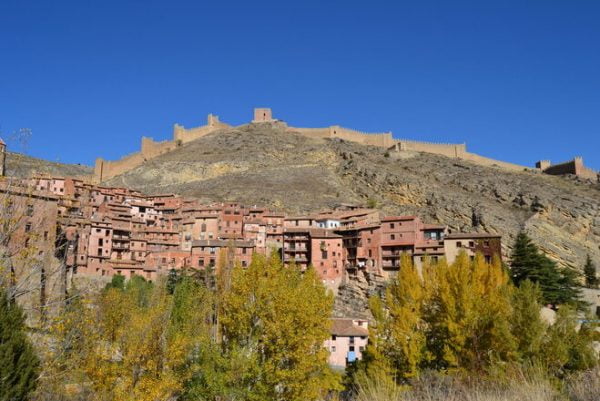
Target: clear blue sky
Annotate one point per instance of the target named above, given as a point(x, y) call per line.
point(516, 80)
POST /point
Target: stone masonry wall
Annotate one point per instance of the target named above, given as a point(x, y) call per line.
point(575, 167)
point(150, 149)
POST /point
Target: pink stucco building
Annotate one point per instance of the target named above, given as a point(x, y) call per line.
point(349, 338)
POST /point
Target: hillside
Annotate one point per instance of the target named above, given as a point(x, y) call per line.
point(261, 164)
point(20, 165)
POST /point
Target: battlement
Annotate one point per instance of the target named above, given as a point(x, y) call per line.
point(574, 167)
point(150, 149)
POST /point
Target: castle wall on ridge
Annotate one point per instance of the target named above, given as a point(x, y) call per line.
point(575, 167)
point(150, 149)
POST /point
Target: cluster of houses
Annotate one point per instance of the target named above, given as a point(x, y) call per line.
point(107, 231)
point(120, 231)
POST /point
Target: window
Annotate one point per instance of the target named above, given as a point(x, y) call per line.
point(333, 349)
point(392, 237)
point(392, 225)
point(99, 251)
point(244, 263)
point(243, 251)
point(471, 244)
point(107, 232)
point(459, 244)
point(370, 253)
point(201, 262)
point(351, 349)
point(100, 242)
point(29, 210)
point(27, 227)
point(333, 337)
point(323, 254)
point(486, 243)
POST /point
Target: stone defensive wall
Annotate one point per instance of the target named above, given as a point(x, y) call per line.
point(149, 149)
point(105, 170)
point(575, 167)
point(375, 139)
point(184, 135)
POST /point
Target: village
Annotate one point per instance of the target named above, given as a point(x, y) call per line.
point(100, 232)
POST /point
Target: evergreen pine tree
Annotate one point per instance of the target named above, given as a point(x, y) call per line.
point(528, 263)
point(18, 361)
point(589, 270)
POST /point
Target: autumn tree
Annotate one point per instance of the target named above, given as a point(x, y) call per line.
point(397, 340)
point(470, 314)
point(275, 320)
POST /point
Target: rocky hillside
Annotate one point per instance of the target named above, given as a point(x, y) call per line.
point(20, 165)
point(263, 165)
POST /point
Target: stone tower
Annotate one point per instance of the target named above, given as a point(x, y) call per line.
point(2, 158)
point(262, 115)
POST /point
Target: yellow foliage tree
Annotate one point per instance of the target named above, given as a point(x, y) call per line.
point(470, 314)
point(279, 318)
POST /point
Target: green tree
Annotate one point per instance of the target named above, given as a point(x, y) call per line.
point(568, 347)
point(117, 281)
point(528, 263)
point(526, 324)
point(18, 362)
point(589, 271)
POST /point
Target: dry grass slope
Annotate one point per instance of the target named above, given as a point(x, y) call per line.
point(22, 166)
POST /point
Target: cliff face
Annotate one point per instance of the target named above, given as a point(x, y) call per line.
point(264, 165)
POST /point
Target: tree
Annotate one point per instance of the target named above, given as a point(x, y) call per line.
point(528, 263)
point(18, 361)
point(117, 281)
point(526, 324)
point(567, 347)
point(398, 336)
point(275, 320)
point(470, 315)
point(589, 271)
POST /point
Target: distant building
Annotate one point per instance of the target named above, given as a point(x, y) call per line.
point(349, 338)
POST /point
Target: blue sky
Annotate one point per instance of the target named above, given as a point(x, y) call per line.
point(515, 80)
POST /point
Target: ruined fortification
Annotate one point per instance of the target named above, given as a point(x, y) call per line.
point(150, 149)
point(572, 167)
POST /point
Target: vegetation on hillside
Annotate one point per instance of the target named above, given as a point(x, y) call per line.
point(469, 323)
point(247, 334)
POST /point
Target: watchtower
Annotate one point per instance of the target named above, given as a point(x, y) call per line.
point(2, 157)
point(543, 164)
point(262, 115)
